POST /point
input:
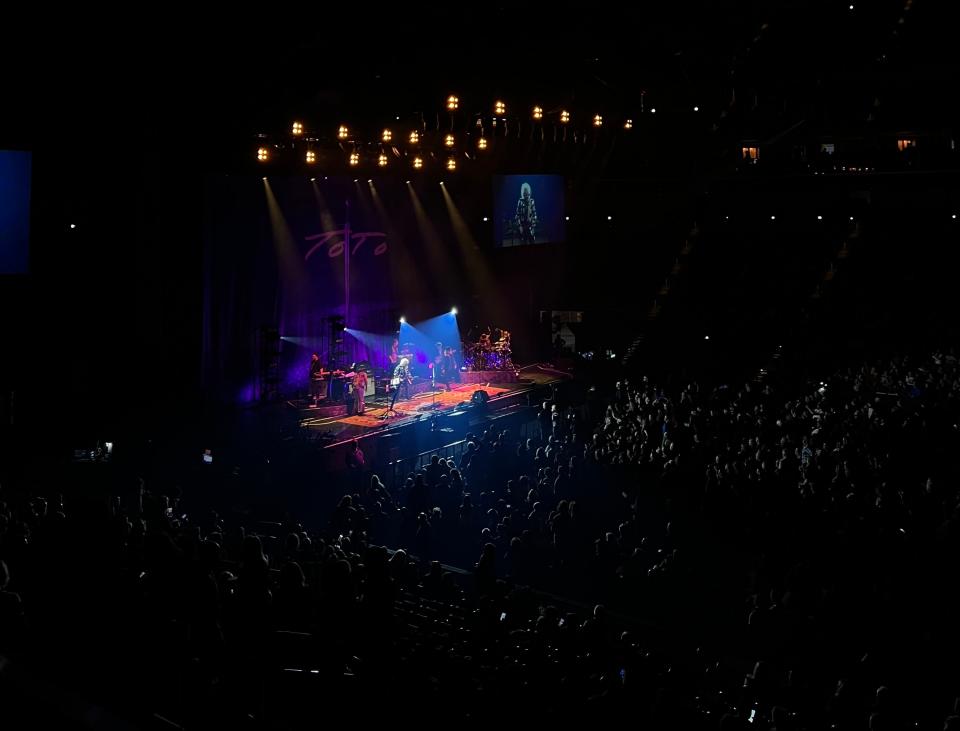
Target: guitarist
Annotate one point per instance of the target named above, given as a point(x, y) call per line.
point(401, 380)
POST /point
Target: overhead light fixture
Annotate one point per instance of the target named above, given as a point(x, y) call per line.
point(387, 135)
point(263, 154)
point(628, 124)
point(482, 143)
point(414, 137)
point(564, 116)
point(451, 163)
point(354, 158)
point(499, 108)
point(382, 160)
point(597, 120)
point(297, 129)
point(537, 113)
point(449, 140)
point(452, 103)
point(343, 132)
point(417, 163)
point(311, 157)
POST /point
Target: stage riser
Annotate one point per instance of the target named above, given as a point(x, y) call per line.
point(489, 377)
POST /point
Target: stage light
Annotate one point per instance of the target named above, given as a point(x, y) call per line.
point(297, 129)
point(628, 124)
point(402, 319)
point(449, 140)
point(653, 110)
point(382, 160)
point(451, 163)
point(567, 218)
point(369, 180)
point(706, 337)
point(564, 116)
point(485, 219)
point(452, 103)
point(954, 216)
point(773, 218)
point(408, 182)
point(414, 137)
point(597, 120)
point(417, 163)
point(263, 154)
point(453, 310)
point(537, 113)
point(441, 182)
point(354, 158)
point(696, 109)
point(819, 218)
point(264, 177)
point(387, 135)
point(851, 218)
point(851, 7)
point(499, 108)
point(73, 225)
point(609, 218)
point(313, 180)
point(311, 156)
point(482, 143)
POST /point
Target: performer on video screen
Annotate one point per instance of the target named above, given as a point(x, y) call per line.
point(527, 215)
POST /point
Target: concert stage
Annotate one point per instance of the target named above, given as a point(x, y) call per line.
point(430, 418)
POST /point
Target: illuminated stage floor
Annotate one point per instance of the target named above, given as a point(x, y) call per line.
point(331, 426)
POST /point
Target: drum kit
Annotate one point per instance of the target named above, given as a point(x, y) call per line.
point(489, 355)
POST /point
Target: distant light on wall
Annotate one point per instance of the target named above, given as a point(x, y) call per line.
point(485, 219)
point(773, 218)
point(73, 225)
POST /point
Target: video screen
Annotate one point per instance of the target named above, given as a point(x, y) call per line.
point(528, 209)
point(15, 168)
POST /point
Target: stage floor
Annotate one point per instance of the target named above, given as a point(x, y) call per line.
point(330, 424)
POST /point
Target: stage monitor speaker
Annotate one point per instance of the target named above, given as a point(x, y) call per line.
point(480, 397)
